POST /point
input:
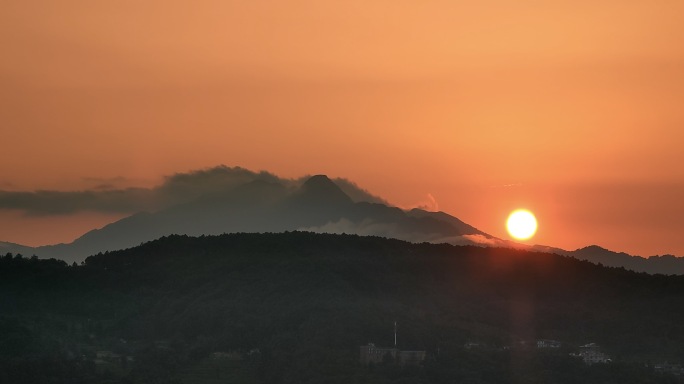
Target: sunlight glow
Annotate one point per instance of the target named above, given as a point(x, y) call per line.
point(521, 224)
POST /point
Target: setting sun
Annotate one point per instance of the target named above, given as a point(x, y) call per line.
point(521, 224)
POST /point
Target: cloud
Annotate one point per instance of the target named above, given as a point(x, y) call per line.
point(357, 193)
point(42, 203)
point(106, 180)
point(512, 185)
point(484, 240)
point(369, 227)
point(104, 187)
point(175, 189)
point(181, 187)
point(429, 203)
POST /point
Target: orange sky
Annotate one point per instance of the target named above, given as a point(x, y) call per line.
point(569, 108)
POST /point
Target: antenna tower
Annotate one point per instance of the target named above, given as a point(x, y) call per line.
point(395, 334)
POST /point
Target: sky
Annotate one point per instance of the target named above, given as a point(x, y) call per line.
point(571, 109)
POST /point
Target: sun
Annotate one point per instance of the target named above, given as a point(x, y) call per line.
point(521, 224)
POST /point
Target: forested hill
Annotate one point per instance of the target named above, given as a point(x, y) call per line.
point(295, 307)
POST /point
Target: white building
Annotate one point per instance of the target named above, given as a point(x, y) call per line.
point(544, 343)
point(591, 354)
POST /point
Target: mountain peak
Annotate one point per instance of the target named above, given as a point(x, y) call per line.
point(592, 247)
point(321, 188)
point(319, 180)
point(598, 249)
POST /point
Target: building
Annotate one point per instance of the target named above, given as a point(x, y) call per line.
point(410, 357)
point(672, 369)
point(591, 354)
point(372, 354)
point(232, 355)
point(472, 345)
point(544, 343)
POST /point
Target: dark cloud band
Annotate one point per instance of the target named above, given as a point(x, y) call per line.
point(176, 189)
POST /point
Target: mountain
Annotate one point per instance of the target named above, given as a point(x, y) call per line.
point(6, 247)
point(295, 308)
point(666, 264)
point(317, 205)
point(457, 224)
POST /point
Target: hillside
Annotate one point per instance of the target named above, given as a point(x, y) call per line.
point(663, 264)
point(295, 307)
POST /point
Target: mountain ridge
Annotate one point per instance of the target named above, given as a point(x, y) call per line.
point(319, 204)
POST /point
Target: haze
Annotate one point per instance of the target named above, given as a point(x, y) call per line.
point(571, 109)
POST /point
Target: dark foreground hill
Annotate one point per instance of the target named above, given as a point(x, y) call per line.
point(295, 307)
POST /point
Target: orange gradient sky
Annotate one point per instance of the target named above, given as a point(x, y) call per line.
point(571, 109)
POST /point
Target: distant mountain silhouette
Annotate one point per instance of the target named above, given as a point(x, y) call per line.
point(459, 225)
point(318, 205)
point(666, 264)
point(322, 191)
point(6, 247)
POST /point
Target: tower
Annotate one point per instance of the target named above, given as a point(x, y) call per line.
point(395, 334)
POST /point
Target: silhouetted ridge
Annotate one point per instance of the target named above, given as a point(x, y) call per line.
point(458, 225)
point(593, 248)
point(597, 251)
point(321, 190)
point(319, 204)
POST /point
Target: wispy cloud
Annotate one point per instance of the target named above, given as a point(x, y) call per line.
point(369, 227)
point(41, 203)
point(484, 240)
point(106, 180)
point(357, 193)
point(512, 185)
point(429, 203)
